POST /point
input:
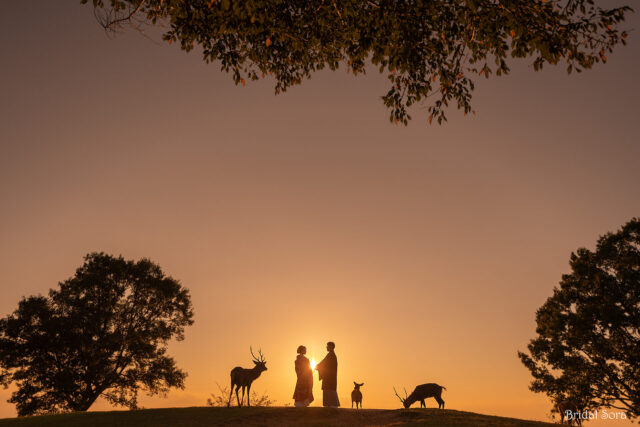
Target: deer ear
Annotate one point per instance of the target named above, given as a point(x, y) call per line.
point(361, 384)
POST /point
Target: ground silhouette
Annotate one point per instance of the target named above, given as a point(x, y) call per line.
point(274, 416)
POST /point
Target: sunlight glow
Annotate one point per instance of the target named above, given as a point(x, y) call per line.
point(313, 363)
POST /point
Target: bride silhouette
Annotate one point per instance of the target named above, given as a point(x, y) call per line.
point(303, 394)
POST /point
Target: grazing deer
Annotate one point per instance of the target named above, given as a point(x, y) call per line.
point(356, 395)
point(421, 393)
point(570, 410)
point(241, 377)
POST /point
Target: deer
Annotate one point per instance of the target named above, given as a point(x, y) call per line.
point(356, 395)
point(242, 377)
point(421, 393)
point(570, 410)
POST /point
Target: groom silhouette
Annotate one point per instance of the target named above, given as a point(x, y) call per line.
point(328, 374)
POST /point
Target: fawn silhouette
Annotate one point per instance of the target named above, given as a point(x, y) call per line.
point(242, 377)
point(356, 395)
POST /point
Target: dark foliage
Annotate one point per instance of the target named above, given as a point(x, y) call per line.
point(588, 344)
point(103, 332)
point(425, 47)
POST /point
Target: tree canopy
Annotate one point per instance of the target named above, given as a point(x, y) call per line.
point(103, 332)
point(427, 48)
point(588, 344)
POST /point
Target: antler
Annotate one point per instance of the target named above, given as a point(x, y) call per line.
point(401, 399)
point(255, 359)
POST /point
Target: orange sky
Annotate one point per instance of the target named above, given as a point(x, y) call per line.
point(423, 252)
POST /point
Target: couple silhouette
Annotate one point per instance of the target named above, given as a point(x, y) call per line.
point(327, 373)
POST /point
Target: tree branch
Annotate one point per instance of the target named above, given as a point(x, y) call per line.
point(109, 25)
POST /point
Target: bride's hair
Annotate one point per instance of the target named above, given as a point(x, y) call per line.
point(302, 349)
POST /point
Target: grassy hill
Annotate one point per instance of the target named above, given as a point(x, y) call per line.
point(277, 416)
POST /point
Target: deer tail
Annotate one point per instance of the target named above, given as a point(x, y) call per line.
point(444, 388)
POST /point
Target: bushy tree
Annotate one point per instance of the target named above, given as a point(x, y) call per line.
point(588, 343)
point(425, 47)
point(103, 332)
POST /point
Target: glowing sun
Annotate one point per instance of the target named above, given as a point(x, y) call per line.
point(313, 363)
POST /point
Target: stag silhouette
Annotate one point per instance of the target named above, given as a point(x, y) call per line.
point(422, 392)
point(242, 377)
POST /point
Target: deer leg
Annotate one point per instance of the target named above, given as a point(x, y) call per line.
point(230, 394)
point(237, 397)
point(440, 402)
point(249, 395)
point(422, 404)
point(244, 387)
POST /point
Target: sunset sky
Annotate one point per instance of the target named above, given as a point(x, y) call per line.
point(422, 251)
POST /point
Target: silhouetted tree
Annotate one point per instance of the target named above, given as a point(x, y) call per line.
point(588, 344)
point(103, 332)
point(426, 47)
